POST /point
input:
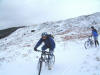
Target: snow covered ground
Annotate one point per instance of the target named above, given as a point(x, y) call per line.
point(17, 55)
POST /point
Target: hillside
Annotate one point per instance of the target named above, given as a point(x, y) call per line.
point(6, 32)
point(17, 55)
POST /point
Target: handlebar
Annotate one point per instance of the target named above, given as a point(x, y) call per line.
point(44, 52)
point(38, 50)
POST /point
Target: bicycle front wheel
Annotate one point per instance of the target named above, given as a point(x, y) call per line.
point(51, 60)
point(39, 66)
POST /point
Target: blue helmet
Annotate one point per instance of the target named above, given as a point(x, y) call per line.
point(44, 34)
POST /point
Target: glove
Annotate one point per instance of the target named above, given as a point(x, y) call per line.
point(35, 49)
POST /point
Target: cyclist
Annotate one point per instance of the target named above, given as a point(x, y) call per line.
point(95, 36)
point(48, 43)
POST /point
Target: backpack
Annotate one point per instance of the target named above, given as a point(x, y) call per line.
point(50, 35)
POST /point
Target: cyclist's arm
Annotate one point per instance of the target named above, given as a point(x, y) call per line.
point(39, 43)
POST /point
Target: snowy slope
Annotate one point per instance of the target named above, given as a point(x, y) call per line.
point(75, 28)
point(17, 56)
point(71, 59)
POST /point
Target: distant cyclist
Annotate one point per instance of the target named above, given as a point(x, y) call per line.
point(48, 43)
point(95, 36)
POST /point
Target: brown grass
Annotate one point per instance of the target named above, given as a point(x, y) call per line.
point(80, 33)
point(79, 36)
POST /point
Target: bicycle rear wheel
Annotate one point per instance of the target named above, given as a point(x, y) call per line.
point(39, 66)
point(51, 62)
point(87, 45)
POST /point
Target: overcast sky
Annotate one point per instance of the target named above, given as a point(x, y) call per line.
point(14, 12)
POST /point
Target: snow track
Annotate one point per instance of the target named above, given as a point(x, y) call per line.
point(71, 59)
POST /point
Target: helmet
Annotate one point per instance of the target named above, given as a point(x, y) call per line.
point(92, 27)
point(44, 34)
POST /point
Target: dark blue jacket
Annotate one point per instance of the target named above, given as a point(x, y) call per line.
point(49, 42)
point(94, 33)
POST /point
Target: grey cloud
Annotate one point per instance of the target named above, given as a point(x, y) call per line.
point(14, 12)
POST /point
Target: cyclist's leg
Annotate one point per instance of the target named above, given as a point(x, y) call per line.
point(51, 54)
point(50, 59)
point(97, 41)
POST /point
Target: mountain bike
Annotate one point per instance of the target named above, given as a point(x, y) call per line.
point(46, 58)
point(89, 43)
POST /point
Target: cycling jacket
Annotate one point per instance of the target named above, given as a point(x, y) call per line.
point(49, 42)
point(94, 33)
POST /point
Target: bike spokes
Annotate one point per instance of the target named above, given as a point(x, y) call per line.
point(39, 66)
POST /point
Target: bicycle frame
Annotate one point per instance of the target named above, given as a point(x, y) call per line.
point(43, 58)
point(89, 43)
